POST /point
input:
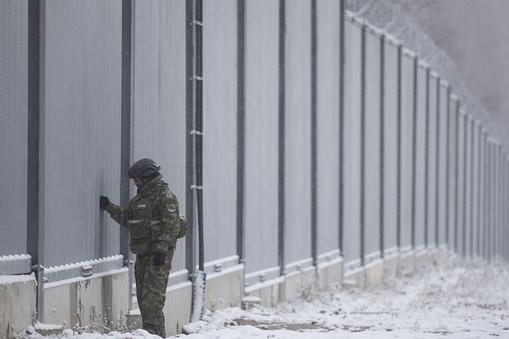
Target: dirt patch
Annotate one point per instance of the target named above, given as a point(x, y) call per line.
point(281, 326)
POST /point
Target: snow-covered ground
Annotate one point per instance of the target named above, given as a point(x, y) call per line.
point(466, 299)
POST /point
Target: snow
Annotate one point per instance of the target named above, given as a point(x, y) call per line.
point(465, 299)
point(14, 279)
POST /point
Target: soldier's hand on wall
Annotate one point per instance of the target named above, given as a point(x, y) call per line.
point(159, 258)
point(103, 202)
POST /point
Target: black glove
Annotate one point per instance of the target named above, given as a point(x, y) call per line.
point(103, 202)
point(159, 259)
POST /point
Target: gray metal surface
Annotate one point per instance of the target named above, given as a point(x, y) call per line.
point(261, 135)
point(453, 180)
point(431, 193)
point(298, 132)
point(80, 140)
point(468, 187)
point(390, 145)
point(406, 150)
point(15, 264)
point(352, 138)
point(442, 165)
point(460, 180)
point(13, 126)
point(421, 159)
point(220, 127)
point(372, 132)
point(328, 124)
point(159, 95)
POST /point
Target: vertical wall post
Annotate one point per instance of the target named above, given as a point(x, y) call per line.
point(282, 139)
point(447, 164)
point(363, 147)
point(35, 156)
point(456, 174)
point(382, 144)
point(399, 179)
point(437, 162)
point(241, 126)
point(472, 166)
point(426, 161)
point(341, 121)
point(414, 152)
point(314, 129)
point(464, 218)
point(125, 134)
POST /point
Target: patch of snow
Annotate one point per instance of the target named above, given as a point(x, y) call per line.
point(15, 279)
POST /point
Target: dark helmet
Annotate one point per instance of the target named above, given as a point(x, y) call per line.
point(144, 168)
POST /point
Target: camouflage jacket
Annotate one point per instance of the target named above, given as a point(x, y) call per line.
point(152, 218)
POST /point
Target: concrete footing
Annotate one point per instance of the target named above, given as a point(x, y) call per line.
point(268, 291)
point(406, 264)
point(17, 303)
point(99, 301)
point(391, 264)
point(225, 288)
point(355, 278)
point(330, 274)
point(374, 273)
point(298, 284)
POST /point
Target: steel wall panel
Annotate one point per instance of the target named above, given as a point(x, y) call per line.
point(159, 84)
point(298, 131)
point(261, 186)
point(352, 139)
point(461, 187)
point(432, 162)
point(328, 124)
point(475, 191)
point(421, 159)
point(80, 140)
point(13, 126)
point(453, 180)
point(372, 147)
point(468, 186)
point(390, 146)
point(407, 102)
point(442, 166)
point(220, 128)
point(481, 194)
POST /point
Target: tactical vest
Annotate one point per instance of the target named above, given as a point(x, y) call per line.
point(143, 224)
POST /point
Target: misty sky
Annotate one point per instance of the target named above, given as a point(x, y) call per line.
point(475, 34)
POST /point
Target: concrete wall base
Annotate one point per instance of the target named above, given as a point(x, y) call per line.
point(225, 288)
point(355, 278)
point(299, 285)
point(423, 260)
point(406, 264)
point(391, 263)
point(177, 308)
point(267, 291)
point(330, 274)
point(17, 303)
point(442, 256)
point(374, 273)
point(100, 301)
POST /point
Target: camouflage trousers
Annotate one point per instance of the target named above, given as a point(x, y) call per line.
point(151, 282)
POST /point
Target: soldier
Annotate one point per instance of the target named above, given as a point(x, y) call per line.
point(153, 221)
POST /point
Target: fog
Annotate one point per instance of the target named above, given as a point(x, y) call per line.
point(474, 34)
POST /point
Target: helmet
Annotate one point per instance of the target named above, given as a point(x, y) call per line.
point(144, 168)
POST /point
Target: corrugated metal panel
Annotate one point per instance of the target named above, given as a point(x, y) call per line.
point(352, 135)
point(159, 94)
point(453, 180)
point(475, 191)
point(80, 142)
point(390, 146)
point(407, 149)
point(432, 161)
point(421, 159)
point(13, 126)
point(220, 127)
point(482, 188)
point(298, 132)
point(328, 124)
point(262, 18)
point(442, 163)
point(372, 147)
point(461, 188)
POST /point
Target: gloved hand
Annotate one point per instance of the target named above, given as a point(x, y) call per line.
point(159, 259)
point(103, 202)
